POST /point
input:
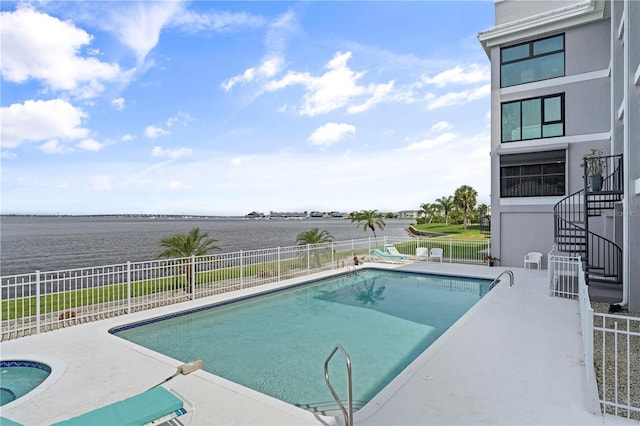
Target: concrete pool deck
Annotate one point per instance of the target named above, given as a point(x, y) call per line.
point(515, 358)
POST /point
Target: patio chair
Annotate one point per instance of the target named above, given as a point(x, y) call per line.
point(391, 249)
point(155, 406)
point(435, 254)
point(533, 258)
point(422, 253)
point(382, 256)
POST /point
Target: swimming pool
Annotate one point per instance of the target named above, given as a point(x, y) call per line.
point(277, 343)
point(18, 378)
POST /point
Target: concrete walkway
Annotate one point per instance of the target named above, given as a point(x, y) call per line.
point(515, 358)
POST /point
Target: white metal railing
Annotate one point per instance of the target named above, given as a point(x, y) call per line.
point(43, 301)
point(563, 273)
point(611, 345)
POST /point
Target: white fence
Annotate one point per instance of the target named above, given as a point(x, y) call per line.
point(611, 344)
point(44, 301)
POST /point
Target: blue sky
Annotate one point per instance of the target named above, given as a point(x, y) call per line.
point(222, 108)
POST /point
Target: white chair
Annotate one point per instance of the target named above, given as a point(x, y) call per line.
point(422, 253)
point(436, 253)
point(533, 258)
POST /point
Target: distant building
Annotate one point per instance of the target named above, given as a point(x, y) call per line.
point(408, 214)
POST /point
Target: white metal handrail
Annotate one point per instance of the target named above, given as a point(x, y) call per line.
point(348, 412)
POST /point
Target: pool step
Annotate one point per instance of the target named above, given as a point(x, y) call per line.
point(330, 408)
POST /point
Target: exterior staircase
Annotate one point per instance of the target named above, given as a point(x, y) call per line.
point(602, 258)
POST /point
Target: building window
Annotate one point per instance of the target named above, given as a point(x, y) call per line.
point(533, 61)
point(533, 118)
point(534, 174)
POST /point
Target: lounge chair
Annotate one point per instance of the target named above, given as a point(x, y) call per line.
point(435, 254)
point(422, 253)
point(391, 249)
point(387, 257)
point(155, 406)
point(533, 258)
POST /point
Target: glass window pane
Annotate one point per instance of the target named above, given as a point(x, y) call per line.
point(510, 171)
point(536, 69)
point(531, 119)
point(548, 45)
point(553, 168)
point(511, 122)
point(552, 109)
point(515, 52)
point(551, 130)
point(531, 170)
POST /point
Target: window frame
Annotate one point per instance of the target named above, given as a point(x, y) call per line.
point(523, 163)
point(542, 123)
point(531, 56)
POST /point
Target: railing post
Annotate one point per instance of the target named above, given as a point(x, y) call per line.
point(193, 277)
point(332, 256)
point(241, 271)
point(128, 287)
point(37, 302)
point(308, 259)
point(279, 267)
point(450, 250)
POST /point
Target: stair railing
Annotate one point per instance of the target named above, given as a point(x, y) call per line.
point(571, 223)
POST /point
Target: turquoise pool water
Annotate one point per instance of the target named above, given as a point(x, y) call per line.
point(18, 378)
point(277, 343)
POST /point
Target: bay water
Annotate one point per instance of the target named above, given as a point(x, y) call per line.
point(53, 243)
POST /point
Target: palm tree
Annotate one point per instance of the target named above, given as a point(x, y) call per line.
point(465, 200)
point(428, 210)
point(369, 219)
point(184, 246)
point(446, 204)
point(314, 236)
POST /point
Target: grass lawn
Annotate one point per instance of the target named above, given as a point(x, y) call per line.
point(453, 231)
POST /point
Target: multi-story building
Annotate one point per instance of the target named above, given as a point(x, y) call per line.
point(565, 83)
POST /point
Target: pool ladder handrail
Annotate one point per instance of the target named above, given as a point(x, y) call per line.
point(351, 269)
point(348, 412)
point(511, 281)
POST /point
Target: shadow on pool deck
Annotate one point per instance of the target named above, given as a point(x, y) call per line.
point(514, 358)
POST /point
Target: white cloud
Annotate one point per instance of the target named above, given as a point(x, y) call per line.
point(40, 120)
point(36, 45)
point(218, 21)
point(267, 69)
point(153, 132)
point(458, 98)
point(334, 89)
point(118, 104)
point(127, 138)
point(180, 118)
point(138, 24)
point(441, 126)
point(331, 133)
point(173, 154)
point(429, 143)
point(275, 40)
point(90, 145)
point(52, 147)
point(474, 73)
